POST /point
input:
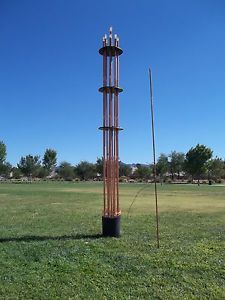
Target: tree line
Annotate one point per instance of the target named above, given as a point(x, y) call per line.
point(197, 164)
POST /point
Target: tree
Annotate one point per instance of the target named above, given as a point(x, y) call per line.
point(216, 168)
point(50, 159)
point(2, 152)
point(142, 172)
point(66, 171)
point(162, 165)
point(85, 170)
point(5, 169)
point(29, 165)
point(99, 166)
point(41, 172)
point(124, 169)
point(16, 173)
point(196, 160)
point(176, 163)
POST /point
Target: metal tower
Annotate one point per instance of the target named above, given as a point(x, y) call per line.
point(110, 90)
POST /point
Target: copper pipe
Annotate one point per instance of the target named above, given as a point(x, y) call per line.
point(117, 125)
point(110, 52)
point(107, 159)
point(115, 154)
point(114, 169)
point(107, 153)
point(104, 124)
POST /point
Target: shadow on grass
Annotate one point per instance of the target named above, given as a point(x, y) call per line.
point(33, 238)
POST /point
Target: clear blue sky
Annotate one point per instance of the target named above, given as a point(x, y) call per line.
point(50, 71)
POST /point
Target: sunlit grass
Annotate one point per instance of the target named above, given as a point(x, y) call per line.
point(51, 248)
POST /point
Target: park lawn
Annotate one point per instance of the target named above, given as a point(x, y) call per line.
point(51, 245)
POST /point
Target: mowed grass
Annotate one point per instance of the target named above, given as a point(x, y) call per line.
point(51, 245)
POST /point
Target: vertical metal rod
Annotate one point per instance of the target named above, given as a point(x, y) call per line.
point(104, 153)
point(110, 131)
point(116, 154)
point(154, 158)
point(114, 139)
point(117, 125)
point(104, 124)
point(107, 146)
point(108, 157)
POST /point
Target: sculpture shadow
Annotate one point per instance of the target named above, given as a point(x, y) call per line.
point(36, 238)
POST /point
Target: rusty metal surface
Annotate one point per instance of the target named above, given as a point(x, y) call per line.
point(110, 89)
point(110, 128)
point(111, 51)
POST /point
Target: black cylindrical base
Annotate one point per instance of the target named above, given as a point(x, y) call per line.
point(111, 226)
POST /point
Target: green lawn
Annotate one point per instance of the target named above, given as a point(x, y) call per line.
point(51, 247)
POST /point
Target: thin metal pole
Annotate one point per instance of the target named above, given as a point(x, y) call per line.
point(104, 122)
point(154, 159)
point(114, 133)
point(117, 125)
point(110, 130)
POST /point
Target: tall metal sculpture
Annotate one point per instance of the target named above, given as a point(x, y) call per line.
point(110, 90)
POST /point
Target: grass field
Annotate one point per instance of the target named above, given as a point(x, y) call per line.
point(51, 247)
